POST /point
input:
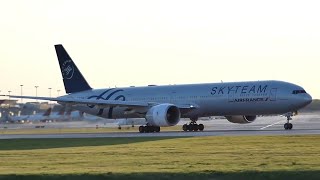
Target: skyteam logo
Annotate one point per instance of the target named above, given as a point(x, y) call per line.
point(109, 94)
point(67, 69)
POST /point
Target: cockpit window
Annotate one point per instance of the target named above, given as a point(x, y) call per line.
point(299, 92)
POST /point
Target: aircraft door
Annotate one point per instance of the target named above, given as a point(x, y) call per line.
point(273, 94)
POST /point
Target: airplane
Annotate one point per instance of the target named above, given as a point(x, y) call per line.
point(71, 116)
point(30, 118)
point(239, 102)
point(54, 116)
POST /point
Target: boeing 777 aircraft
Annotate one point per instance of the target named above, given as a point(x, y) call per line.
point(239, 102)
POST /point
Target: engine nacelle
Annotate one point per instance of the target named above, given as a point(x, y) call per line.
point(163, 115)
point(241, 119)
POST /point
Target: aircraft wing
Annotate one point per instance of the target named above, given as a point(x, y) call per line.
point(101, 103)
point(73, 101)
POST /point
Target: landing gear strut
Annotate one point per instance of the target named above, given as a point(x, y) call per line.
point(288, 126)
point(149, 129)
point(193, 126)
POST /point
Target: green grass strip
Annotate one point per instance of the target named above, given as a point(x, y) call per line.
point(245, 157)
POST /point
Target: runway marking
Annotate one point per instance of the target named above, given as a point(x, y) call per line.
point(271, 125)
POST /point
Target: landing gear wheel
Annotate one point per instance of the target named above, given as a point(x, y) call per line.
point(149, 129)
point(185, 127)
point(201, 127)
point(157, 129)
point(288, 126)
point(141, 129)
point(193, 126)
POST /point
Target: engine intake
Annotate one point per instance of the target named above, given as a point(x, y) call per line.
point(241, 119)
point(163, 115)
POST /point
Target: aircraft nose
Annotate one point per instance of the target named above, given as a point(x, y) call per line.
point(305, 100)
point(308, 99)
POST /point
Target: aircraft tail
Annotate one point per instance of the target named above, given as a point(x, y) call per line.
point(81, 114)
point(72, 77)
point(48, 112)
point(61, 111)
point(69, 112)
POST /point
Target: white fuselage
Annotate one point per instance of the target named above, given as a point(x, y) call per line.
point(212, 99)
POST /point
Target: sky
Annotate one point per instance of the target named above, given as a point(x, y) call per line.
point(124, 42)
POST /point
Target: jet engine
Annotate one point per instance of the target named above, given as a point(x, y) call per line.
point(163, 115)
point(241, 119)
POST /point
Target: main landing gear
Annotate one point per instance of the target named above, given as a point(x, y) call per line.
point(193, 126)
point(149, 129)
point(288, 126)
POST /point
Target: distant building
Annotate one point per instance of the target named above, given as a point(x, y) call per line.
point(5, 103)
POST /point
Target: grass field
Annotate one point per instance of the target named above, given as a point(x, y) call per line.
point(251, 157)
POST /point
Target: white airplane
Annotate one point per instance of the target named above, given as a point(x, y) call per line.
point(54, 116)
point(71, 116)
point(31, 118)
point(239, 102)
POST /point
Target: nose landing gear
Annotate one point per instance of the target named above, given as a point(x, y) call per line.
point(288, 125)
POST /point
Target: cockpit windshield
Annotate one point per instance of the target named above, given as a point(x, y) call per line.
point(299, 92)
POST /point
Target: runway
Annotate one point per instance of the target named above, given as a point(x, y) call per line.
point(273, 125)
point(163, 134)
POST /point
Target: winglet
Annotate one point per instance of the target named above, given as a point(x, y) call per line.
point(72, 77)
